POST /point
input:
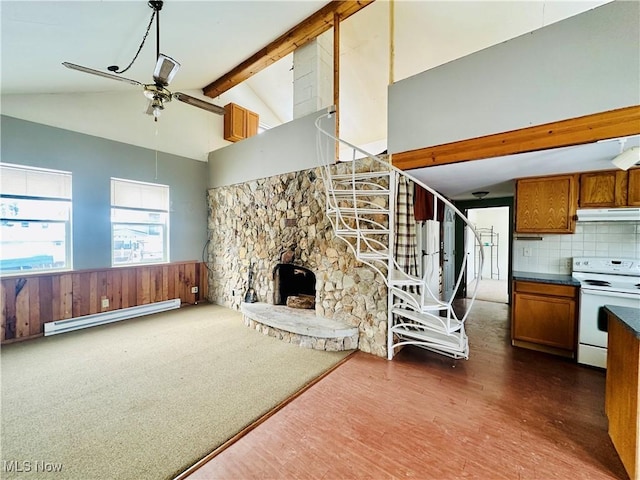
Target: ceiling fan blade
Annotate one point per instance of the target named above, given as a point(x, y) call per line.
point(80, 68)
point(166, 69)
point(196, 102)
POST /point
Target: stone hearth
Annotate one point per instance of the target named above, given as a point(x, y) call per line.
point(300, 327)
point(252, 223)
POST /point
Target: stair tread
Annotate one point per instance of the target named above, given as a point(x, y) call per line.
point(358, 192)
point(430, 321)
point(360, 210)
point(361, 175)
point(428, 301)
point(398, 277)
point(359, 206)
point(362, 232)
point(373, 255)
point(453, 340)
point(429, 305)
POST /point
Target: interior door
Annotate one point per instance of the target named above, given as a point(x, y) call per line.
point(448, 254)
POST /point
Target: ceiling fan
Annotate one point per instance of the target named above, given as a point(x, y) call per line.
point(165, 70)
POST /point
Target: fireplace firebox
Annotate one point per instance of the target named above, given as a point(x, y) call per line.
point(292, 280)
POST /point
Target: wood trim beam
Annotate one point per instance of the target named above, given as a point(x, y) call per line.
point(305, 31)
point(621, 122)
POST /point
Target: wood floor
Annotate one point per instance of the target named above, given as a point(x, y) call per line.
point(506, 413)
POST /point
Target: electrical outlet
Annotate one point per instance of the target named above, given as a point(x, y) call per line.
point(526, 252)
point(105, 303)
point(194, 289)
point(568, 263)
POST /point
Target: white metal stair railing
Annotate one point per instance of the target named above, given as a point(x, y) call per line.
point(360, 204)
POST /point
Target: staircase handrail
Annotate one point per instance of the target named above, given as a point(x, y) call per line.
point(330, 112)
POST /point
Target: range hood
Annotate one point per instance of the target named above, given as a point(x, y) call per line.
point(609, 215)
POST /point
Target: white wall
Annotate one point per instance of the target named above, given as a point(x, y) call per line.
point(585, 64)
point(93, 161)
point(287, 148)
point(181, 130)
point(486, 218)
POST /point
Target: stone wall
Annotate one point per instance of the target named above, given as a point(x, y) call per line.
point(254, 222)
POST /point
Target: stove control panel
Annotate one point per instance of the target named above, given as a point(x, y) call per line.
point(621, 266)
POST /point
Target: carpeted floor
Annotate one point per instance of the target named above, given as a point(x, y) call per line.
point(143, 398)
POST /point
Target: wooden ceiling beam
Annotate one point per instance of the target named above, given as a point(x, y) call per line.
point(621, 122)
point(305, 31)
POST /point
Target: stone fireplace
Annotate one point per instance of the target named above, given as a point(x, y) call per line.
point(254, 222)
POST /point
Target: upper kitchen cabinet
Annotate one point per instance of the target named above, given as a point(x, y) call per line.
point(610, 188)
point(546, 204)
point(633, 188)
point(603, 189)
point(239, 123)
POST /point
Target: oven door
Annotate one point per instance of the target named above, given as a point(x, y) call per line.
point(593, 325)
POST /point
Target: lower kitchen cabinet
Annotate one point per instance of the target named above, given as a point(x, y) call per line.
point(622, 398)
point(544, 317)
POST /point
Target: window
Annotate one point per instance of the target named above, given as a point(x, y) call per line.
point(35, 216)
point(139, 222)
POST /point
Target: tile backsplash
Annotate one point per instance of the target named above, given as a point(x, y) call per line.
point(554, 253)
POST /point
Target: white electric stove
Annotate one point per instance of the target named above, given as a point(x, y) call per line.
point(603, 281)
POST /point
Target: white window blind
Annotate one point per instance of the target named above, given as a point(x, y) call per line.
point(35, 209)
point(130, 194)
point(33, 182)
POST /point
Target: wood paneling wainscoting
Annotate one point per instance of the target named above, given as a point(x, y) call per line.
point(30, 301)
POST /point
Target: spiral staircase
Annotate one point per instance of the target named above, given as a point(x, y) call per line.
point(362, 205)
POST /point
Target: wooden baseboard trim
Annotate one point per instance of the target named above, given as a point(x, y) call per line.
point(207, 458)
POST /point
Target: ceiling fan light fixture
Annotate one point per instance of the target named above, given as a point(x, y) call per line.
point(156, 106)
point(627, 159)
point(166, 69)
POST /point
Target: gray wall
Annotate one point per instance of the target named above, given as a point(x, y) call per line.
point(585, 64)
point(93, 161)
point(290, 147)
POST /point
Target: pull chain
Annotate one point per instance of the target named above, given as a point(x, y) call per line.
point(156, 151)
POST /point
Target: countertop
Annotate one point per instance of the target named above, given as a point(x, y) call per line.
point(629, 316)
point(556, 278)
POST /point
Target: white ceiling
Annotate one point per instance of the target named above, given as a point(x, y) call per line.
point(496, 175)
point(209, 38)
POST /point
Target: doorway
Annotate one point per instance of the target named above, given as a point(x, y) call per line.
point(493, 219)
point(490, 276)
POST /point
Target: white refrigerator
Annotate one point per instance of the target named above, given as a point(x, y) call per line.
point(428, 241)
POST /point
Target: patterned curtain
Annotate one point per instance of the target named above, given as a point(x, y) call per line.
point(405, 241)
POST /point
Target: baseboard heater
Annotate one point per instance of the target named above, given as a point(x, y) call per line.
point(86, 321)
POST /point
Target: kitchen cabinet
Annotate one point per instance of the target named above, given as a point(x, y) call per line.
point(603, 189)
point(622, 393)
point(239, 123)
point(633, 187)
point(610, 188)
point(543, 317)
point(546, 204)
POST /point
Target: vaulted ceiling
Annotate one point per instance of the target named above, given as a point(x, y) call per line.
point(209, 38)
